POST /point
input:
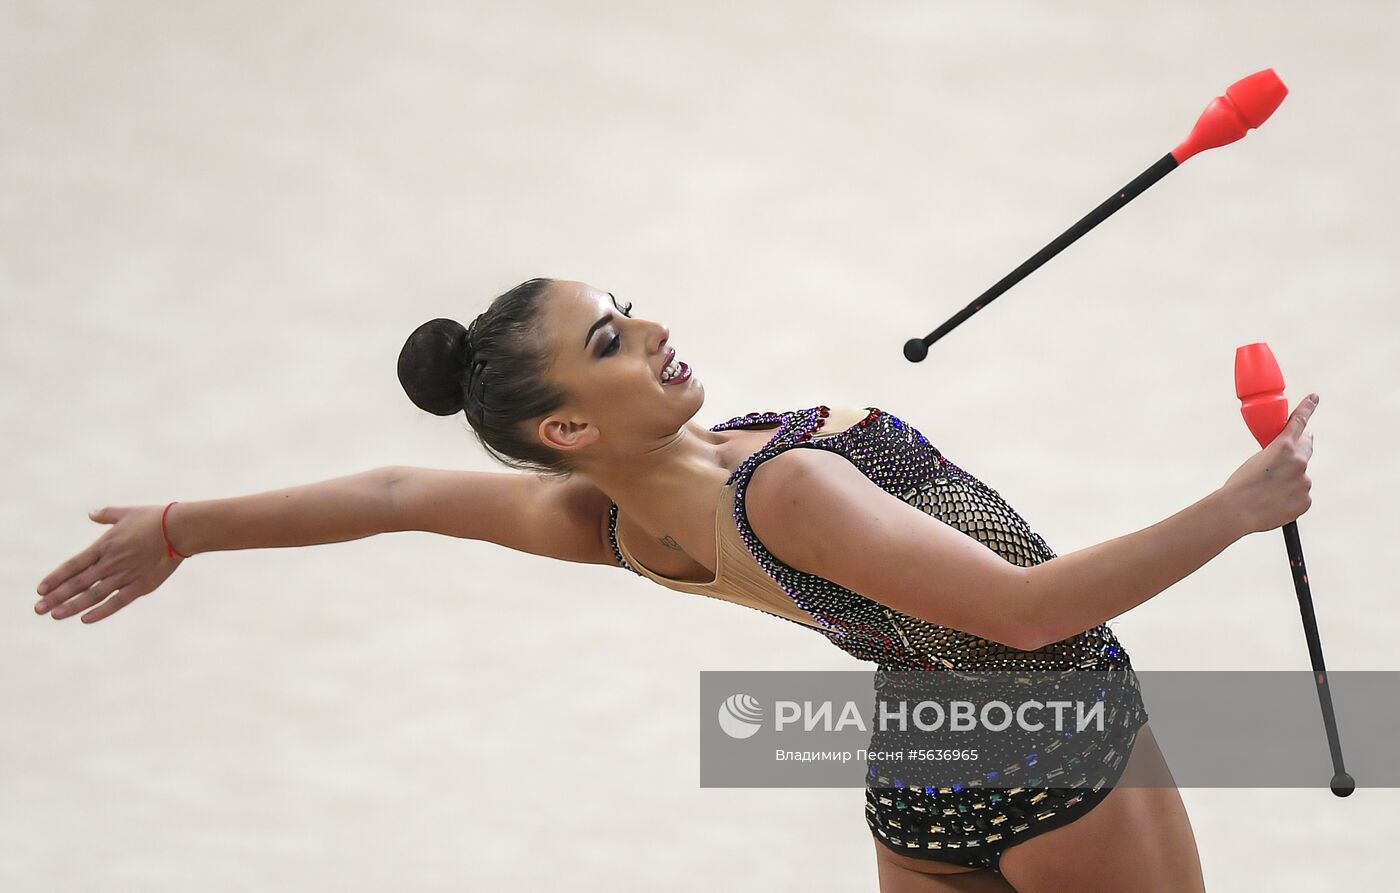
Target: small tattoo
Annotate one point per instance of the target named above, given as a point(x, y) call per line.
point(670, 543)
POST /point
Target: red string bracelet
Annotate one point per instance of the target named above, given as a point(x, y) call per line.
point(169, 549)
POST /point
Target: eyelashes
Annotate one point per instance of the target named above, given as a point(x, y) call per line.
point(616, 341)
point(626, 311)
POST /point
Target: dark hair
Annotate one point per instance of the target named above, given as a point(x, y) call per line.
point(494, 370)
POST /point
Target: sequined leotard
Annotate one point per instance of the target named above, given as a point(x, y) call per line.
point(971, 825)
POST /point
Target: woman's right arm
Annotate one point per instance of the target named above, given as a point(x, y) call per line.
point(129, 559)
point(559, 519)
point(333, 511)
point(818, 513)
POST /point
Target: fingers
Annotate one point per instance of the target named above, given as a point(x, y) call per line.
point(1299, 419)
point(86, 599)
point(63, 581)
point(107, 515)
point(109, 596)
point(124, 597)
point(72, 584)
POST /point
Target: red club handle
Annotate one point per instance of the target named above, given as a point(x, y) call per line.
point(1259, 385)
point(1248, 103)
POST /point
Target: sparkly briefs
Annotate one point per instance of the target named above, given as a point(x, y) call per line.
point(1023, 784)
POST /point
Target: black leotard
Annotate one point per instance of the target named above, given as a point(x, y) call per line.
point(969, 825)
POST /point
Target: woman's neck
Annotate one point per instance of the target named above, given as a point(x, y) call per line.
point(679, 476)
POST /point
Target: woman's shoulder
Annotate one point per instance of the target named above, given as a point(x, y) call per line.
point(784, 473)
point(791, 498)
point(788, 497)
point(774, 471)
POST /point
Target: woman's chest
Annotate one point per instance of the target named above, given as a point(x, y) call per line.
point(686, 548)
point(662, 552)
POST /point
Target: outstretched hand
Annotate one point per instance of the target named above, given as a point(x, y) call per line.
point(126, 562)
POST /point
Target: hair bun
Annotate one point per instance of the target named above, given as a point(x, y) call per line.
point(432, 364)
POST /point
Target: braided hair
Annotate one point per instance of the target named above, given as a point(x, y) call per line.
point(493, 370)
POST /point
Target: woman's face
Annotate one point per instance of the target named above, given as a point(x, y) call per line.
point(610, 363)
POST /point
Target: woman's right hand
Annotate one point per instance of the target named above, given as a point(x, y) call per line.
point(129, 558)
point(1271, 489)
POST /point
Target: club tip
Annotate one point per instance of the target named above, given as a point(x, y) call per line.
point(1247, 103)
point(1258, 96)
point(1343, 784)
point(915, 350)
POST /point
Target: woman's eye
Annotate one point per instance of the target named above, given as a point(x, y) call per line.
point(617, 339)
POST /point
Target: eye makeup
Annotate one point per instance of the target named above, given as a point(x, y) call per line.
point(615, 344)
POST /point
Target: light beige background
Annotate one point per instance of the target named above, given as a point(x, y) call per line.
point(219, 221)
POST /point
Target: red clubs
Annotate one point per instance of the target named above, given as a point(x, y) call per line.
point(1259, 385)
point(1248, 103)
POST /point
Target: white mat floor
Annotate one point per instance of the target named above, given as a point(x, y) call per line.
point(219, 221)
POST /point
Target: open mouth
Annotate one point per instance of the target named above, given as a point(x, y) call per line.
point(675, 371)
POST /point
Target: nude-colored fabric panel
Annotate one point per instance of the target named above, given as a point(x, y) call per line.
point(745, 580)
point(742, 579)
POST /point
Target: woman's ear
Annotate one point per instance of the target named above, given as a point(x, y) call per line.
point(567, 435)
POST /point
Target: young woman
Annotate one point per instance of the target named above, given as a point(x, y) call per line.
point(848, 521)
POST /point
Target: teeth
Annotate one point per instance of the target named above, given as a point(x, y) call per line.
point(672, 369)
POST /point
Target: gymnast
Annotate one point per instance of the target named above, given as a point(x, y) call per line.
point(845, 520)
